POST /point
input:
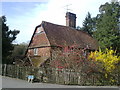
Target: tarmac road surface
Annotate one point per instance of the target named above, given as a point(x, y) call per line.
point(8, 82)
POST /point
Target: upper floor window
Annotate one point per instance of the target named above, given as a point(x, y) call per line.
point(39, 30)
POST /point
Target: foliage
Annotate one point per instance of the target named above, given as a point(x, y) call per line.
point(108, 59)
point(8, 37)
point(89, 24)
point(18, 53)
point(19, 49)
point(107, 26)
point(71, 57)
point(103, 64)
point(107, 62)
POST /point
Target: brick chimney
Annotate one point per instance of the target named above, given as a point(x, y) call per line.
point(70, 19)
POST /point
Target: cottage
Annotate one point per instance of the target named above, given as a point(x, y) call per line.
point(48, 36)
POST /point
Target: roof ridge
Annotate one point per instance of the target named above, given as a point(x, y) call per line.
point(43, 22)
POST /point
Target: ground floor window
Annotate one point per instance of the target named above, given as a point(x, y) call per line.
point(35, 51)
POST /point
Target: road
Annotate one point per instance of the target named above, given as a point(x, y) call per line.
point(17, 83)
point(8, 82)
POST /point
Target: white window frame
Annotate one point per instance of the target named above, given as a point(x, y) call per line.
point(35, 51)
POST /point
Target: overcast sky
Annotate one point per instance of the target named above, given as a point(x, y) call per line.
point(25, 16)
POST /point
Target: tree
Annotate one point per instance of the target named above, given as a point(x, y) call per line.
point(89, 24)
point(18, 53)
point(8, 36)
point(19, 49)
point(107, 26)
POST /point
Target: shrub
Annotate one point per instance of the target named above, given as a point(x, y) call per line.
point(107, 63)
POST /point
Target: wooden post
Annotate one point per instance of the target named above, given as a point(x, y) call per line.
point(17, 71)
point(5, 69)
point(1, 69)
point(79, 78)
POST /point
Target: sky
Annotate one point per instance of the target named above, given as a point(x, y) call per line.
point(25, 15)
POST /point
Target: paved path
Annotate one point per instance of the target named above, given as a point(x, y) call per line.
point(17, 83)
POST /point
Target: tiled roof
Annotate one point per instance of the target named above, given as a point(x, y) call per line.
point(63, 35)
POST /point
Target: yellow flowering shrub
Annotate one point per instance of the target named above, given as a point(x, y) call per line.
point(107, 60)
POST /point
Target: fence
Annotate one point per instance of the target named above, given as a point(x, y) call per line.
point(53, 75)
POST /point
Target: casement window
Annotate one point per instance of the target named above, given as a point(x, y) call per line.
point(35, 51)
